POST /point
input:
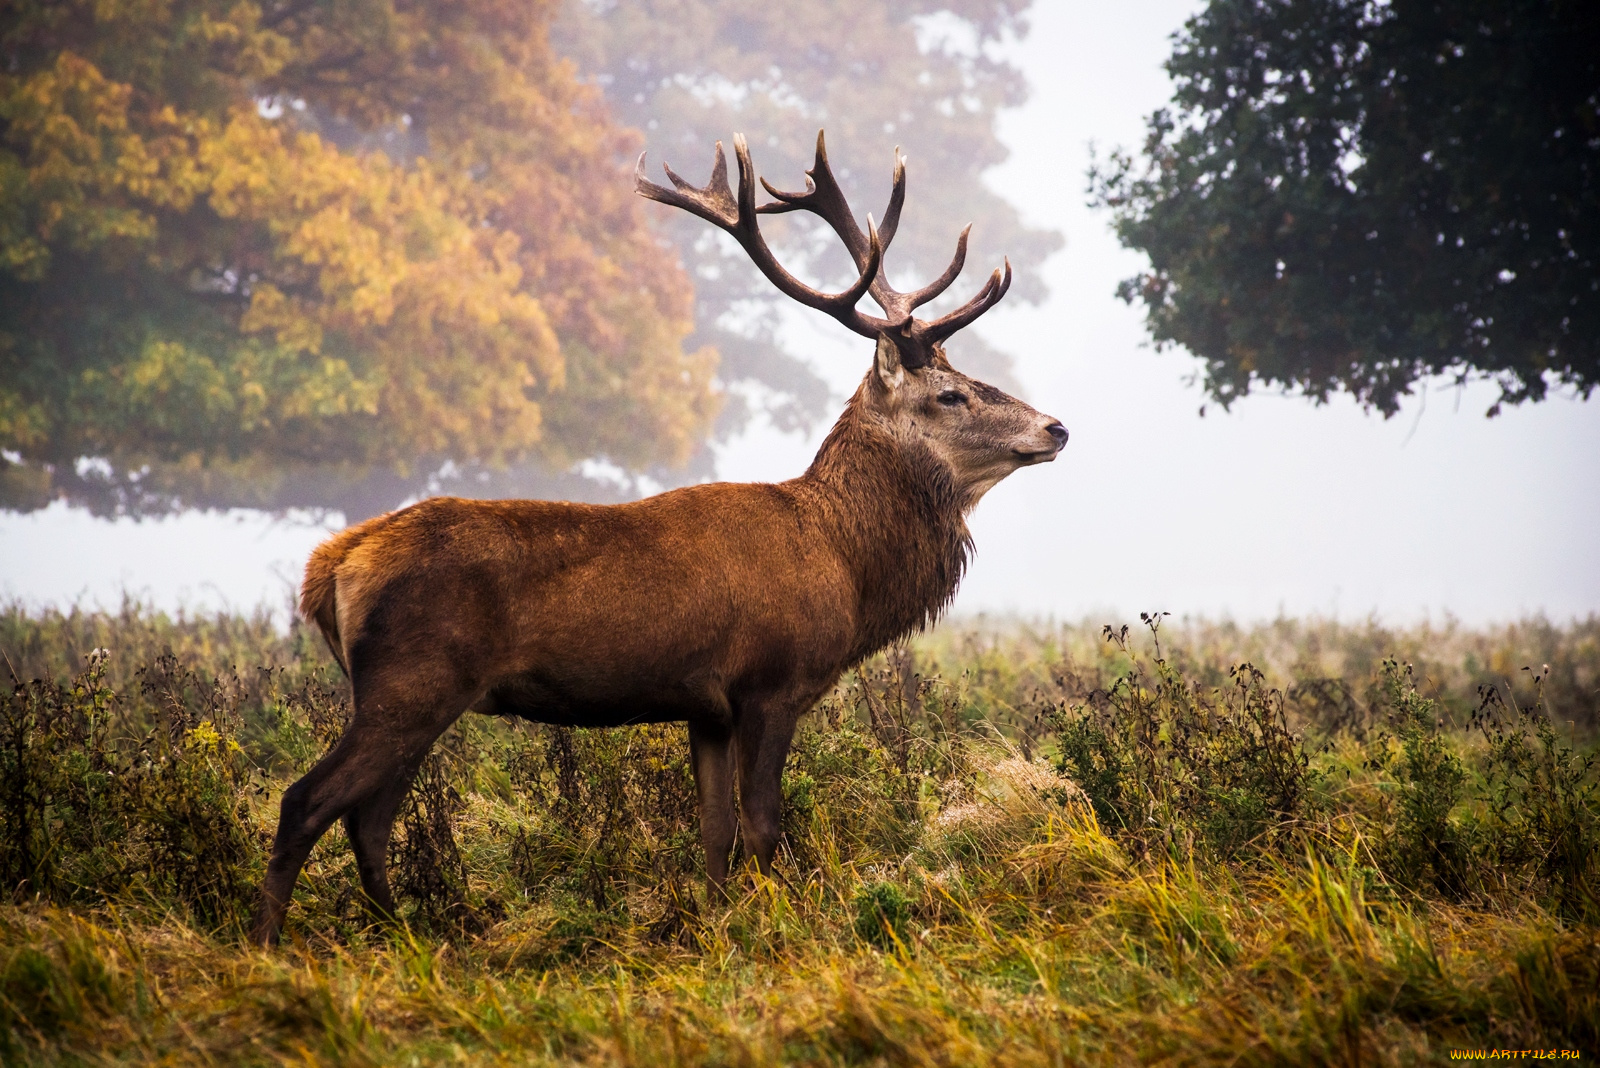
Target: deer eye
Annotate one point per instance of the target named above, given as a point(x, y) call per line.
point(952, 397)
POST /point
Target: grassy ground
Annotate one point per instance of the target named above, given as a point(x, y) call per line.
point(1003, 845)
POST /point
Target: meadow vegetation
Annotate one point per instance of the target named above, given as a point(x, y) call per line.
point(1199, 843)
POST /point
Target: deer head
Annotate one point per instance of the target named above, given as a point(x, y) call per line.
point(981, 433)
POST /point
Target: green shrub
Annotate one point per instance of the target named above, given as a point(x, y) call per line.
point(1170, 765)
point(1428, 845)
point(1541, 802)
point(103, 802)
point(882, 913)
point(609, 810)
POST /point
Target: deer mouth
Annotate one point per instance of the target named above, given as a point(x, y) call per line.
point(1058, 441)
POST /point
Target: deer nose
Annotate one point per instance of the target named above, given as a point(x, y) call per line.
point(1059, 432)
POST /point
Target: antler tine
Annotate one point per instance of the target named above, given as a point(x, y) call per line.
point(717, 204)
point(824, 198)
point(920, 297)
point(839, 305)
point(714, 203)
point(897, 200)
point(747, 183)
point(987, 297)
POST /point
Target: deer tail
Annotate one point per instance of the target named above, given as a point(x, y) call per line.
point(319, 593)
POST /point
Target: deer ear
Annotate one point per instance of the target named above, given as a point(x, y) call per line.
point(886, 362)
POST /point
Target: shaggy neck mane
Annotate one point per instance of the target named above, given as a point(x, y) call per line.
point(894, 511)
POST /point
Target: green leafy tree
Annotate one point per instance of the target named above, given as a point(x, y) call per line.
point(1351, 196)
point(922, 74)
point(307, 252)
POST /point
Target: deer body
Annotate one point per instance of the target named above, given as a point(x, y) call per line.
point(725, 588)
point(732, 607)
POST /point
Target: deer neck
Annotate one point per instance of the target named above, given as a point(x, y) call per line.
point(893, 511)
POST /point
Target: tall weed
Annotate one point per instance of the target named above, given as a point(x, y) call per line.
point(1178, 767)
point(1541, 806)
point(102, 801)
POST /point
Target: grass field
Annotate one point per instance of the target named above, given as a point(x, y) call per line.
point(1300, 842)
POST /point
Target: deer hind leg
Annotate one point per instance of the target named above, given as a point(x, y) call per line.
point(385, 742)
point(352, 771)
point(711, 752)
point(370, 826)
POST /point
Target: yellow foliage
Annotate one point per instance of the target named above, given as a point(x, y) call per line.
point(211, 246)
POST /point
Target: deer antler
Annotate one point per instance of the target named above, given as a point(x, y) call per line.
point(917, 339)
point(716, 204)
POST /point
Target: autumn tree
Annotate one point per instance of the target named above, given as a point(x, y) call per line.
point(1350, 196)
point(921, 74)
point(314, 253)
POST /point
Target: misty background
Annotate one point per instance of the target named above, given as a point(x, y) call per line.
point(1276, 506)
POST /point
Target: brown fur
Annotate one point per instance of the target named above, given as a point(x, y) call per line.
point(318, 591)
point(732, 607)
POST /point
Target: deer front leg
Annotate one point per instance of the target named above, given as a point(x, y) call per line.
point(764, 734)
point(711, 751)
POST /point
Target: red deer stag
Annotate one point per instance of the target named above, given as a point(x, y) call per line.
point(732, 607)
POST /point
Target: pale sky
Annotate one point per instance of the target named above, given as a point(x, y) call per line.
point(1275, 507)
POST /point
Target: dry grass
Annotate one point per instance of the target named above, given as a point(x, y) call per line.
point(1120, 965)
point(947, 895)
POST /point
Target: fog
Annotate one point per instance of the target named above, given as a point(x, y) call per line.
point(1277, 506)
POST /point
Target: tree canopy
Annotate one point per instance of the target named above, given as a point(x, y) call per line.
point(303, 252)
point(921, 74)
point(335, 253)
point(1349, 196)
